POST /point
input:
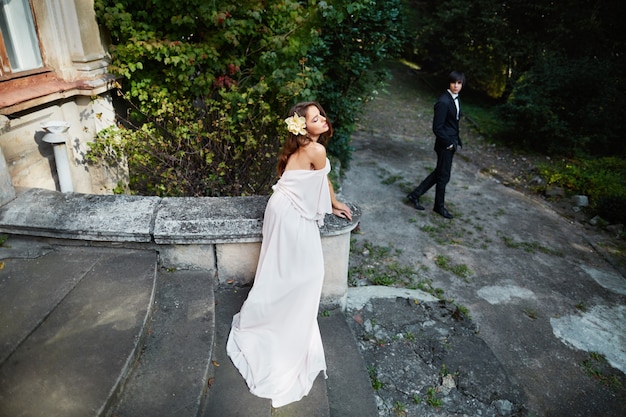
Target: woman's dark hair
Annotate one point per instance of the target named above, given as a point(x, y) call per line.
point(455, 76)
point(293, 142)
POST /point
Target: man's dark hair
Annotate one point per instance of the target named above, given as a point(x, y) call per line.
point(456, 76)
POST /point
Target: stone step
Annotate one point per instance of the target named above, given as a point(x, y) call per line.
point(26, 299)
point(71, 321)
point(350, 391)
point(228, 393)
point(99, 331)
point(346, 393)
point(170, 376)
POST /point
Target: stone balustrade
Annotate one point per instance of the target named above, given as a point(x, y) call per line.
point(221, 235)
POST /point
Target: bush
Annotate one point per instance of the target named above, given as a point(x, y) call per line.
point(355, 39)
point(562, 107)
point(186, 157)
point(207, 84)
point(603, 180)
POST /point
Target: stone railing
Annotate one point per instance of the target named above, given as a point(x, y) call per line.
point(220, 235)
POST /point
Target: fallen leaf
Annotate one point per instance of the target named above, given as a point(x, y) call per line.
point(216, 363)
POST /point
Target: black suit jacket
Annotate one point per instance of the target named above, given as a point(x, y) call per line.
point(445, 123)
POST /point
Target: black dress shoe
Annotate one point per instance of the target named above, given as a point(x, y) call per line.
point(444, 212)
point(415, 201)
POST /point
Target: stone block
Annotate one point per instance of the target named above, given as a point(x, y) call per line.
point(555, 192)
point(237, 262)
point(200, 257)
point(202, 220)
point(113, 218)
point(336, 251)
point(580, 200)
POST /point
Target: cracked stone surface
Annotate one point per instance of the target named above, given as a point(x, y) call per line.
point(430, 359)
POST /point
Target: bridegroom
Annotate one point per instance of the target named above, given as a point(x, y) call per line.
point(446, 129)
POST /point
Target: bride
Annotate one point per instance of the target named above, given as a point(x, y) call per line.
point(275, 341)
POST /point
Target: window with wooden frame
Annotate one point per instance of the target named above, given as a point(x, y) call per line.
point(19, 44)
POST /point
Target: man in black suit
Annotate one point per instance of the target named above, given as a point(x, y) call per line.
point(446, 129)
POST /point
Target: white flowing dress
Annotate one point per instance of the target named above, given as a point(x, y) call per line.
point(275, 341)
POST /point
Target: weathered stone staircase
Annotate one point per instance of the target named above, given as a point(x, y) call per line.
point(101, 329)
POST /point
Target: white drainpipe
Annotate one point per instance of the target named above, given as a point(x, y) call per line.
point(57, 136)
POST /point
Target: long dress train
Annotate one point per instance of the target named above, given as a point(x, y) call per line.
point(275, 341)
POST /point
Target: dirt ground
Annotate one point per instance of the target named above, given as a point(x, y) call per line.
point(520, 277)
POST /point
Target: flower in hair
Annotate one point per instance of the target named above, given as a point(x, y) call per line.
point(296, 124)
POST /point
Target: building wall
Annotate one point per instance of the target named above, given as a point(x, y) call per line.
point(30, 160)
point(73, 87)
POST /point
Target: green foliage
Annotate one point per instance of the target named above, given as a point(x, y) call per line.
point(379, 265)
point(377, 384)
point(399, 408)
point(558, 66)
point(468, 36)
point(206, 84)
point(460, 270)
point(183, 157)
point(484, 118)
point(204, 106)
point(563, 112)
point(603, 180)
point(355, 38)
point(530, 247)
point(432, 399)
point(597, 367)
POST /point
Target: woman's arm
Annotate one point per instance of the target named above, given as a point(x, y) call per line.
point(317, 155)
point(339, 209)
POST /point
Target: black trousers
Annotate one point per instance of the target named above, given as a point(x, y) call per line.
point(438, 178)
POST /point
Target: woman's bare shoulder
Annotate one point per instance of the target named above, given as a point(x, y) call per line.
point(315, 149)
point(317, 155)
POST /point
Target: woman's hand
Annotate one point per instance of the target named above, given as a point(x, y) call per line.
point(342, 210)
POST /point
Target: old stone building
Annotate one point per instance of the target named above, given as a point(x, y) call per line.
point(53, 72)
